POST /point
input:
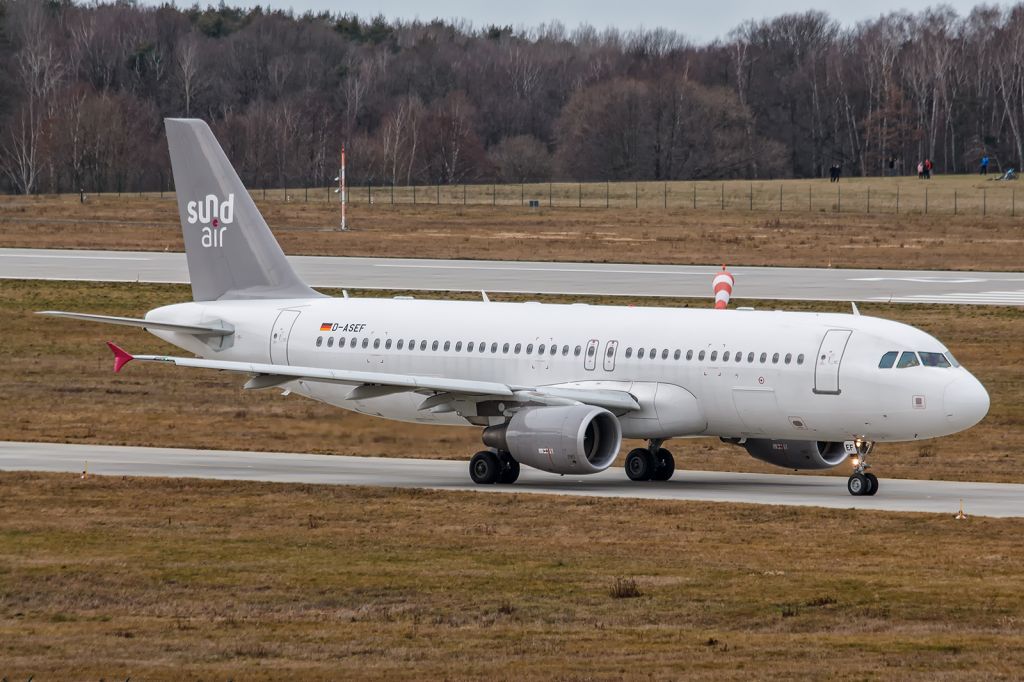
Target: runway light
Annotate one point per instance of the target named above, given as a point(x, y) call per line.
point(960, 515)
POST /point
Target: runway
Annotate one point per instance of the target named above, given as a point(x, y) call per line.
point(942, 497)
point(816, 284)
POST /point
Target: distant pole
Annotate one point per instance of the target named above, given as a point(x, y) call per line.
point(305, 194)
point(636, 195)
point(522, 194)
point(926, 201)
point(869, 200)
point(579, 200)
point(463, 194)
point(438, 202)
point(341, 189)
point(414, 195)
point(780, 197)
point(550, 195)
point(607, 190)
point(1013, 203)
point(897, 199)
point(392, 192)
point(954, 203)
point(721, 202)
point(810, 206)
point(369, 193)
point(984, 201)
point(695, 196)
point(751, 204)
point(665, 203)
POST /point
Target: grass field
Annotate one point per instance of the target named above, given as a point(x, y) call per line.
point(58, 386)
point(112, 578)
point(750, 230)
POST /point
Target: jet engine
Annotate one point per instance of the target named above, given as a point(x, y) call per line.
point(797, 454)
point(575, 439)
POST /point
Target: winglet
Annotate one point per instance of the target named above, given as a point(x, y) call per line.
point(121, 356)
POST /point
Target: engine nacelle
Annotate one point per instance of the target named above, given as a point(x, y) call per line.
point(797, 454)
point(575, 439)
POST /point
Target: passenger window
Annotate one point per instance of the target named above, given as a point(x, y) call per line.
point(434, 345)
point(518, 348)
point(504, 348)
point(401, 343)
point(469, 347)
point(529, 349)
point(800, 359)
point(933, 359)
point(789, 358)
point(640, 353)
point(387, 345)
point(540, 349)
point(554, 349)
point(888, 360)
point(739, 356)
point(376, 343)
point(654, 352)
point(565, 350)
point(494, 346)
point(577, 351)
point(775, 359)
point(664, 354)
point(714, 355)
point(689, 355)
point(750, 357)
point(591, 351)
point(725, 356)
point(483, 346)
point(330, 342)
point(352, 342)
point(764, 357)
point(677, 354)
point(629, 352)
point(319, 341)
point(908, 359)
point(611, 351)
point(458, 346)
point(423, 344)
point(700, 355)
point(366, 343)
point(447, 345)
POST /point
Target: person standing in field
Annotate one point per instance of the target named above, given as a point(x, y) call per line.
point(984, 165)
point(920, 170)
point(927, 169)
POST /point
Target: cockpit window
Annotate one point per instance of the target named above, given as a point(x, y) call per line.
point(908, 359)
point(952, 360)
point(888, 360)
point(933, 359)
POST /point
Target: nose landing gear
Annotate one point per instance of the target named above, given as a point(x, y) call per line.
point(861, 482)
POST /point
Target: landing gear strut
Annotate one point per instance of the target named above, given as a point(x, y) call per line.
point(488, 467)
point(653, 463)
point(861, 482)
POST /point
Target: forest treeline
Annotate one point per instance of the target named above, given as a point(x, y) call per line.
point(84, 89)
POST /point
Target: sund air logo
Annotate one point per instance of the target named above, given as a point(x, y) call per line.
point(214, 215)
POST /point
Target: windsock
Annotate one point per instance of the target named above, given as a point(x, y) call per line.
point(722, 284)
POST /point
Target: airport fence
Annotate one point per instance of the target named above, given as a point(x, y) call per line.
point(952, 195)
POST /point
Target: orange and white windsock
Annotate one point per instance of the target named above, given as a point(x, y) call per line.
point(723, 284)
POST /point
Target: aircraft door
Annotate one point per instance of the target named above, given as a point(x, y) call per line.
point(279, 335)
point(830, 355)
point(610, 349)
point(590, 357)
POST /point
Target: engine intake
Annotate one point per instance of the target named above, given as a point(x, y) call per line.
point(575, 439)
point(797, 454)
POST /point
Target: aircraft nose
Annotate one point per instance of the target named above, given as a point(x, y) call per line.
point(966, 402)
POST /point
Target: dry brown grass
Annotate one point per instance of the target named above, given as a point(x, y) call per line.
point(57, 385)
point(185, 579)
point(679, 234)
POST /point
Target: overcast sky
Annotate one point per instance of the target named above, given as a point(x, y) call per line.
point(701, 21)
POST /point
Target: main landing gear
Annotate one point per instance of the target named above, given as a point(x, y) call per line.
point(862, 483)
point(653, 463)
point(488, 466)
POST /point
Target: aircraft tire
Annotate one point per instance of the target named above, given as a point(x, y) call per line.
point(666, 466)
point(873, 482)
point(484, 468)
point(639, 465)
point(509, 470)
point(858, 484)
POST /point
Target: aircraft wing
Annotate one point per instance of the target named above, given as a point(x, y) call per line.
point(197, 330)
point(370, 384)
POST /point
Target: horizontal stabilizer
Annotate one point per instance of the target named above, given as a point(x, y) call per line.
point(197, 330)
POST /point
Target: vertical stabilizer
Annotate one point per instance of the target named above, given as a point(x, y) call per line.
point(231, 251)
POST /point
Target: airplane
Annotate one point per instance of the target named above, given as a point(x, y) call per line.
point(554, 387)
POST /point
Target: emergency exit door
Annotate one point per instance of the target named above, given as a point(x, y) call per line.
point(279, 336)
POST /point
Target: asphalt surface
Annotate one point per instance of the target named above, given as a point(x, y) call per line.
point(817, 284)
point(942, 497)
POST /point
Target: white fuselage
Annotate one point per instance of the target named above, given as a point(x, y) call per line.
point(729, 373)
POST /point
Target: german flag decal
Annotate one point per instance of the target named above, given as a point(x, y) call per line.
point(326, 327)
